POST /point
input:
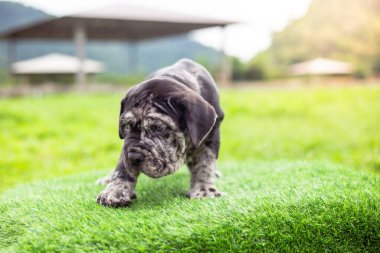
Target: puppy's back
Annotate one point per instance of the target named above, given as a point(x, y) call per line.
point(194, 76)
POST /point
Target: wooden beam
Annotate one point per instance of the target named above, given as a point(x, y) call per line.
point(80, 46)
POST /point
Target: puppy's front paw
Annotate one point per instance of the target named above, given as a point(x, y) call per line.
point(204, 192)
point(116, 196)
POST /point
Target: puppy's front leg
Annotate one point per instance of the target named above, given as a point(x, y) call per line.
point(202, 166)
point(121, 189)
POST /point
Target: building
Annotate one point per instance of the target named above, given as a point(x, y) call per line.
point(56, 68)
point(321, 66)
point(115, 22)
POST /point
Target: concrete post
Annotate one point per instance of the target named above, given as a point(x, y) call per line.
point(11, 53)
point(80, 46)
point(225, 67)
point(133, 57)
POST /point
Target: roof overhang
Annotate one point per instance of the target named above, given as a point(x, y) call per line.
point(116, 23)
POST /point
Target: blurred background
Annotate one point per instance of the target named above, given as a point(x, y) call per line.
point(299, 79)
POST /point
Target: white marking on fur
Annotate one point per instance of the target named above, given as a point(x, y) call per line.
point(129, 116)
point(204, 137)
point(161, 117)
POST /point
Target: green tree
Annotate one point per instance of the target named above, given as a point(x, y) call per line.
point(347, 30)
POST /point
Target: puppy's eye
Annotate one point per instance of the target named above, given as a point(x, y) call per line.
point(127, 126)
point(157, 128)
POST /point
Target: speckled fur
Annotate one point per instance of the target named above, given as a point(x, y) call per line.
point(164, 152)
point(202, 166)
point(186, 132)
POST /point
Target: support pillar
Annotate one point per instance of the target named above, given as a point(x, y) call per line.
point(225, 66)
point(80, 46)
point(133, 57)
point(11, 53)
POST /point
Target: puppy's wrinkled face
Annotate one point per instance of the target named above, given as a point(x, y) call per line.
point(153, 142)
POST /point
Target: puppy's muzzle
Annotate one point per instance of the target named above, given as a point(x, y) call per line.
point(136, 158)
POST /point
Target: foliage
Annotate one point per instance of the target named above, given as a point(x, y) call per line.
point(238, 69)
point(259, 68)
point(346, 30)
point(212, 65)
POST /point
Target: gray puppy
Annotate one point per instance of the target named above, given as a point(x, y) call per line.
point(170, 119)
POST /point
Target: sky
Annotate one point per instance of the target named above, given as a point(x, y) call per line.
point(257, 19)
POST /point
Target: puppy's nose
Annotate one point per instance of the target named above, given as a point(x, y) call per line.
point(135, 158)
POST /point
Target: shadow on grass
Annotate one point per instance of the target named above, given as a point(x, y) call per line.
point(162, 192)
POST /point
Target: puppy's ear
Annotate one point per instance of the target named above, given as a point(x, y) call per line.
point(199, 115)
point(121, 128)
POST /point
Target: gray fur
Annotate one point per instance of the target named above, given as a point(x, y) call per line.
point(171, 118)
point(166, 152)
point(202, 166)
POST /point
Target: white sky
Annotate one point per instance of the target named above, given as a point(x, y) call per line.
point(259, 18)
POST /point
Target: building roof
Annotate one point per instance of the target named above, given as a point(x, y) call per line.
point(55, 64)
point(321, 66)
point(117, 22)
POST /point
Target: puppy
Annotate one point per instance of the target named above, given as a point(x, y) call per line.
point(171, 118)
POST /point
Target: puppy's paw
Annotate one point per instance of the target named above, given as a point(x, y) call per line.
point(204, 192)
point(116, 196)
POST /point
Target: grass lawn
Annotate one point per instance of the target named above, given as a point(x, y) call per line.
point(300, 169)
point(270, 206)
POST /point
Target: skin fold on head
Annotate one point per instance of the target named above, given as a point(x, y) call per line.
point(153, 137)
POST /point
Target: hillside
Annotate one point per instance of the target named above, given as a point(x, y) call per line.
point(347, 30)
point(14, 14)
point(151, 54)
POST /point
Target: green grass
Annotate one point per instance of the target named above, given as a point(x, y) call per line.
point(328, 202)
point(340, 125)
point(59, 135)
point(270, 206)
